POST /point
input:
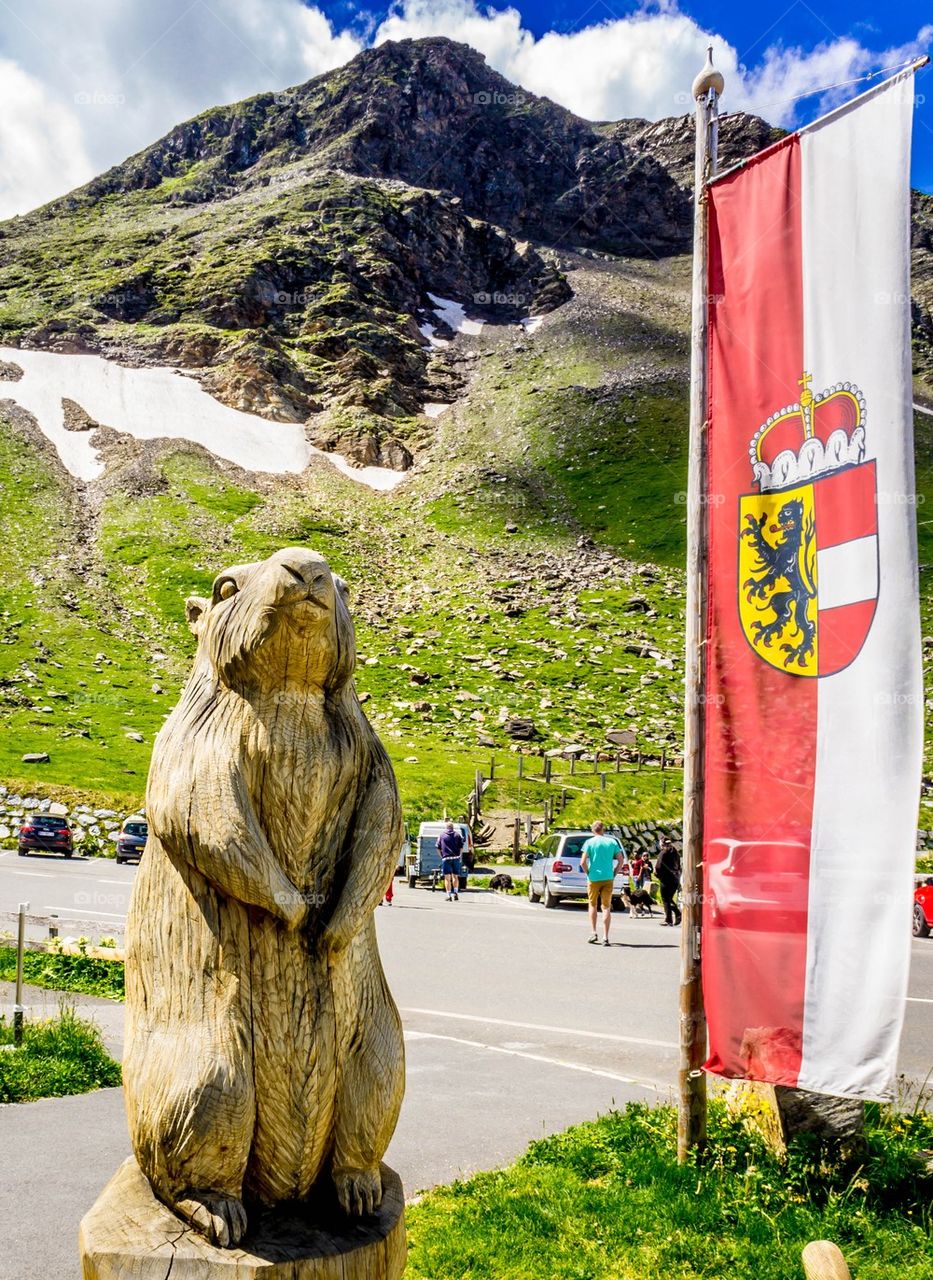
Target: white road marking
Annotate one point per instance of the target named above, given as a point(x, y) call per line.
point(537, 1057)
point(122, 883)
point(539, 1026)
point(81, 912)
point(41, 875)
point(918, 1000)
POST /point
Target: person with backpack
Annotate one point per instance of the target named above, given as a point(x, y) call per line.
point(667, 870)
point(450, 846)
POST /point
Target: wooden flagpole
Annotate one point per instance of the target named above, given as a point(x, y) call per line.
point(691, 1119)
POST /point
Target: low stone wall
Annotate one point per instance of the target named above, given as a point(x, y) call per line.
point(14, 809)
point(644, 836)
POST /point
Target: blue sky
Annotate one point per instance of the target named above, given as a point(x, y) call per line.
point(82, 87)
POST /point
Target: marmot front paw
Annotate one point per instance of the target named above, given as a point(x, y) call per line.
point(221, 1218)
point(359, 1190)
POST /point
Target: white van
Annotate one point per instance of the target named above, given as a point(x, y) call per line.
point(424, 861)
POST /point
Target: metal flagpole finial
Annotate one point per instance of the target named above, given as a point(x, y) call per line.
point(709, 78)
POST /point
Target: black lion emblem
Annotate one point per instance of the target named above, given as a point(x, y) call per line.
point(791, 558)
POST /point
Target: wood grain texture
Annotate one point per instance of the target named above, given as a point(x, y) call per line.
point(130, 1235)
point(263, 1049)
point(822, 1260)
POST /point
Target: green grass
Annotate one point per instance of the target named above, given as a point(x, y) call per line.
point(61, 1056)
point(56, 972)
point(607, 1201)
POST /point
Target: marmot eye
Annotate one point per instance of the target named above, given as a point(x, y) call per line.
point(227, 589)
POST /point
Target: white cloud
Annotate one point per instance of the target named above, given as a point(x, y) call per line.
point(78, 96)
point(116, 82)
point(41, 147)
point(642, 64)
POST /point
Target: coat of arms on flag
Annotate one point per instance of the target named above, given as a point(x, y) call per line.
point(808, 539)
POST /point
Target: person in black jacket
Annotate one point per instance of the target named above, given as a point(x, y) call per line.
point(667, 870)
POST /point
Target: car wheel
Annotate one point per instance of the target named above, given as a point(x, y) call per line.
point(921, 929)
point(462, 882)
point(68, 853)
point(533, 895)
point(547, 897)
point(412, 881)
point(617, 903)
point(119, 859)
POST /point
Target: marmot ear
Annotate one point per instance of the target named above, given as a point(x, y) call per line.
point(195, 606)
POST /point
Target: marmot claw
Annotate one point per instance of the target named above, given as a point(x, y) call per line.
point(359, 1190)
point(221, 1218)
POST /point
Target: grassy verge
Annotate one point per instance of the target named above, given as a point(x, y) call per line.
point(82, 974)
point(607, 1199)
point(61, 1056)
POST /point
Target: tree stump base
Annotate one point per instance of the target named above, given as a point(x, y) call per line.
point(779, 1113)
point(130, 1235)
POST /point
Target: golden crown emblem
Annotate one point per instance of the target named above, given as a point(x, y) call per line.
point(818, 435)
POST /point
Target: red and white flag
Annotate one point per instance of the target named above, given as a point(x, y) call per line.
point(814, 683)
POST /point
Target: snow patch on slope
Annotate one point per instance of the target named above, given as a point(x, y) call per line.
point(151, 404)
point(453, 314)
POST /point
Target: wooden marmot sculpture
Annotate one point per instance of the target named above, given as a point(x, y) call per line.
point(263, 1048)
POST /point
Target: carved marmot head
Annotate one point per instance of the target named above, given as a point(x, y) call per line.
point(279, 623)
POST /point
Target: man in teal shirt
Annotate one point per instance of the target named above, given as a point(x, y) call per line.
point(601, 860)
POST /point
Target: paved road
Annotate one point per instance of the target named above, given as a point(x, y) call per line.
point(514, 1028)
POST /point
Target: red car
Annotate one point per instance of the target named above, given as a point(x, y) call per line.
point(923, 908)
point(46, 834)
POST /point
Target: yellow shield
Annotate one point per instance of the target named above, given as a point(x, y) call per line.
point(777, 578)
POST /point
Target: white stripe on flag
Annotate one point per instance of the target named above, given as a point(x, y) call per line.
point(855, 227)
point(848, 572)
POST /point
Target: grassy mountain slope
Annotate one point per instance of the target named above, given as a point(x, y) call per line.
point(576, 436)
point(530, 565)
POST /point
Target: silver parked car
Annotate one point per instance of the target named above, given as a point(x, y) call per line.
point(555, 871)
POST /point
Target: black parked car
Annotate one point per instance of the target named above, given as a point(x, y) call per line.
point(132, 839)
point(46, 834)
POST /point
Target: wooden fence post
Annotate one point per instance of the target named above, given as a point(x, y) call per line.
point(516, 839)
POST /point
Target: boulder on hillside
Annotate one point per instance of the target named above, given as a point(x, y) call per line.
point(521, 729)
